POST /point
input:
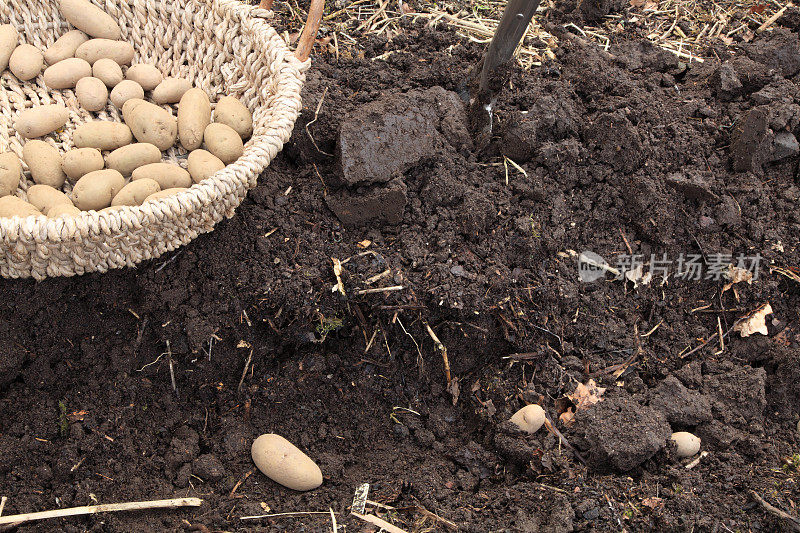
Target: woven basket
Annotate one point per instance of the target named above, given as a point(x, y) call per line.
point(226, 48)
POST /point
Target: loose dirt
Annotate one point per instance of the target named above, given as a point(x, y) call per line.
point(610, 150)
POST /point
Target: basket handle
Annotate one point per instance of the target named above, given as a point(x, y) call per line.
point(306, 42)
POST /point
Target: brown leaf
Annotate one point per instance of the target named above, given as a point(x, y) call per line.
point(567, 416)
point(586, 395)
point(737, 275)
point(77, 416)
point(653, 502)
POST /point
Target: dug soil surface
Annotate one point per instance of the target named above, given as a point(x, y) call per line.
point(618, 153)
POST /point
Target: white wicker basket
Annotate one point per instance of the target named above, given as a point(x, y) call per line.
point(225, 47)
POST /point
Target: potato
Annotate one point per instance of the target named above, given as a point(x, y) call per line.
point(65, 46)
point(90, 19)
point(135, 192)
point(9, 39)
point(44, 162)
point(96, 49)
point(167, 175)
point(44, 197)
point(171, 90)
point(203, 164)
point(284, 463)
point(108, 71)
point(65, 74)
point(687, 444)
point(150, 123)
point(529, 419)
point(41, 120)
point(223, 142)
point(92, 94)
point(194, 115)
point(125, 91)
point(128, 158)
point(10, 173)
point(231, 112)
point(63, 210)
point(163, 194)
point(102, 135)
point(96, 189)
point(11, 206)
point(26, 62)
point(147, 76)
point(80, 161)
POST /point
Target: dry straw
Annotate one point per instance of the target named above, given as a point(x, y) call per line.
point(226, 48)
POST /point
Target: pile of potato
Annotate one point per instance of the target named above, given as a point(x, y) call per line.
point(113, 163)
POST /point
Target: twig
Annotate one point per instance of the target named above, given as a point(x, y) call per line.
point(316, 116)
point(794, 522)
point(442, 348)
point(696, 462)
point(3, 501)
point(171, 370)
point(711, 338)
point(173, 503)
point(372, 519)
point(627, 244)
point(333, 520)
point(770, 21)
point(437, 518)
point(552, 429)
point(239, 483)
point(273, 515)
point(244, 372)
point(380, 289)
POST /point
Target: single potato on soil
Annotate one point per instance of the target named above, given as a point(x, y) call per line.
point(284, 463)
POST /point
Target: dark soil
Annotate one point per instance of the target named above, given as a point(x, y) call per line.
point(626, 148)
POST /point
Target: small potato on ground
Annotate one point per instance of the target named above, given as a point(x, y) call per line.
point(44, 161)
point(530, 418)
point(687, 444)
point(284, 463)
point(80, 161)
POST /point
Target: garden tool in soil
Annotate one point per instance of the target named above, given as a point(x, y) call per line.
point(493, 72)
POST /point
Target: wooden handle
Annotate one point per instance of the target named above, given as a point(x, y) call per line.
point(306, 42)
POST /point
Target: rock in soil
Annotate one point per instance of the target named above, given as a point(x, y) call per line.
point(619, 433)
point(379, 204)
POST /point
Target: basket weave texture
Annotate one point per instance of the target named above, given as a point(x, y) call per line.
point(223, 46)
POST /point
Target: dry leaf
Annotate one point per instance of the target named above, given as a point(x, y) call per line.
point(653, 502)
point(637, 3)
point(754, 322)
point(586, 395)
point(77, 416)
point(567, 416)
point(737, 275)
point(364, 244)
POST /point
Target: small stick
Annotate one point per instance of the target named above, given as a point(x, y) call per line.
point(333, 520)
point(794, 523)
point(244, 372)
point(173, 503)
point(239, 483)
point(306, 42)
point(627, 244)
point(442, 348)
point(770, 21)
point(696, 461)
point(295, 513)
point(552, 429)
point(372, 519)
point(3, 501)
point(437, 518)
point(171, 370)
point(380, 289)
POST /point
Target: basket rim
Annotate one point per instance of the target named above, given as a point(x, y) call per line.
point(254, 160)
